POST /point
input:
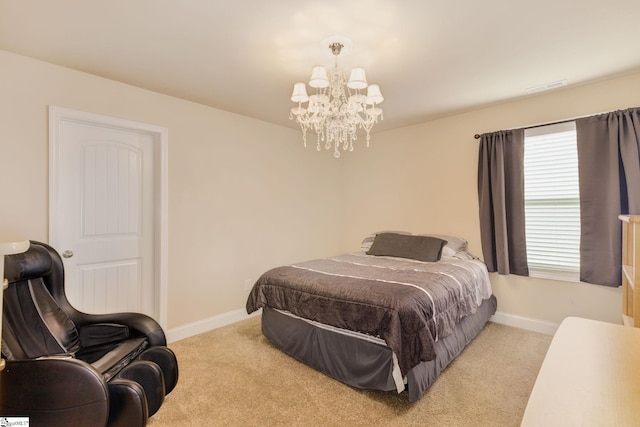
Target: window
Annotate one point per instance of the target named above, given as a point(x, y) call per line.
point(552, 202)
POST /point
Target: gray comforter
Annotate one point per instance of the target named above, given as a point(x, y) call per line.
point(410, 304)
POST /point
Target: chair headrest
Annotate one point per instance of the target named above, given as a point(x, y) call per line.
point(35, 262)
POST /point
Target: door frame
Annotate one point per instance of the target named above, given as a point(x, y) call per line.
point(161, 145)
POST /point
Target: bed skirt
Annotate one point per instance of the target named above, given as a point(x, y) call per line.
point(363, 363)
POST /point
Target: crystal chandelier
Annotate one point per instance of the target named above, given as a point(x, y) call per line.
point(338, 108)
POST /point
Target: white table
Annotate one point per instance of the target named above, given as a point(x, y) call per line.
point(589, 377)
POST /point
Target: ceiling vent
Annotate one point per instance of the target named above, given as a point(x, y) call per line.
point(547, 86)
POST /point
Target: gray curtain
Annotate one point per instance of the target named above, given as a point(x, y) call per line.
point(609, 174)
point(501, 199)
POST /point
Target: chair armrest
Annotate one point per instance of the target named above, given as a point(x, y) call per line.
point(138, 323)
point(102, 333)
point(56, 391)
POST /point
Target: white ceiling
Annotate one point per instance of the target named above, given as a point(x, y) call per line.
point(430, 57)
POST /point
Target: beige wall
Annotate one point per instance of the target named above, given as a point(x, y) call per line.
point(422, 178)
point(244, 195)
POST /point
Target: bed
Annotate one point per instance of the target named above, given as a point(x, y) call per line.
point(389, 317)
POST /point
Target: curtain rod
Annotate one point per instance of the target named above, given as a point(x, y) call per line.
point(477, 136)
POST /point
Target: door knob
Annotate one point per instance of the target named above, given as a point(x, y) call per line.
point(67, 254)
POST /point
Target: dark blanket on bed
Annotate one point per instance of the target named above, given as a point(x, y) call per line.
point(407, 303)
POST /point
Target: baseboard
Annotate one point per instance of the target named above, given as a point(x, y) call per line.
point(205, 325)
point(541, 326)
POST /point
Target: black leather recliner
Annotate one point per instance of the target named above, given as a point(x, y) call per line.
point(68, 368)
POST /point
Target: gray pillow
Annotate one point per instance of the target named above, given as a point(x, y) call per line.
point(421, 248)
point(453, 246)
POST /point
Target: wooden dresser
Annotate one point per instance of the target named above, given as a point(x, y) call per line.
point(630, 270)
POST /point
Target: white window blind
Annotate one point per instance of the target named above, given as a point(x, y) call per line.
point(552, 201)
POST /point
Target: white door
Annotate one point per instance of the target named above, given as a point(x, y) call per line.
point(104, 219)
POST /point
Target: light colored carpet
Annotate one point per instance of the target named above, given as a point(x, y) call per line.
point(233, 376)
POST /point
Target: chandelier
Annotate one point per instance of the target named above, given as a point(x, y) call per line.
point(337, 109)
